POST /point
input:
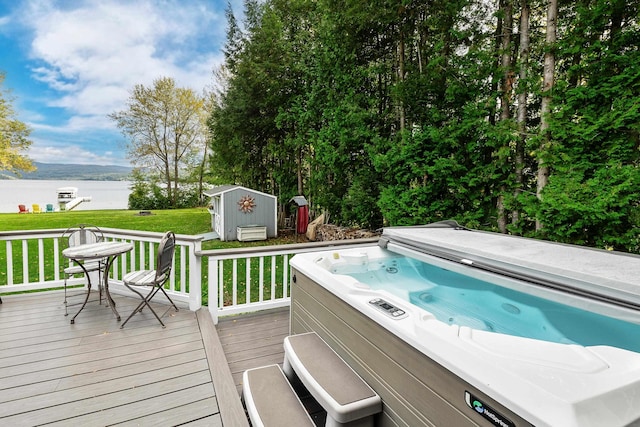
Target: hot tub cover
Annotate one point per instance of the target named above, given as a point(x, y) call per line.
point(594, 273)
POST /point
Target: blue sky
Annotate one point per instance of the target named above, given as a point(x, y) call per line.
point(70, 63)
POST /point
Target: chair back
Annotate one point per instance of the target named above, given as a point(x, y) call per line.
point(82, 234)
point(164, 261)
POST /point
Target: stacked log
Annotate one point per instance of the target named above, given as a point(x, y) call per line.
point(327, 232)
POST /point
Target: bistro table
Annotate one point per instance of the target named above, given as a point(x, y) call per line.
point(107, 251)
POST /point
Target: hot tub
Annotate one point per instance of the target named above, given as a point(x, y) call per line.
point(480, 328)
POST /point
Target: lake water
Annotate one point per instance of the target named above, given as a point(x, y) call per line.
point(104, 194)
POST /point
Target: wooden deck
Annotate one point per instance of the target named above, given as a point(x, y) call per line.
point(253, 340)
point(94, 373)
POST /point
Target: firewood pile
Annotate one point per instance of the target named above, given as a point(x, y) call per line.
point(326, 232)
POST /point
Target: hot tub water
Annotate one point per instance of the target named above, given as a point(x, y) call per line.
point(462, 300)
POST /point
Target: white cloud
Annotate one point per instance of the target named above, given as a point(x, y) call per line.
point(117, 44)
point(45, 152)
point(90, 54)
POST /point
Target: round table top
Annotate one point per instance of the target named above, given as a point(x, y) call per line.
point(97, 250)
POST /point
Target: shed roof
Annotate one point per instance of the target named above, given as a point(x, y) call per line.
point(216, 191)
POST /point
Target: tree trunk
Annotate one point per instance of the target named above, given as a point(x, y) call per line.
point(494, 83)
point(401, 54)
point(299, 171)
point(522, 106)
point(545, 109)
point(201, 174)
point(506, 90)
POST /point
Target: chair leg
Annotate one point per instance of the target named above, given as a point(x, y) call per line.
point(86, 299)
point(66, 303)
point(155, 314)
point(160, 288)
point(137, 309)
point(145, 302)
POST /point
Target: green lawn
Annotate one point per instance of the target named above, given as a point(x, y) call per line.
point(181, 221)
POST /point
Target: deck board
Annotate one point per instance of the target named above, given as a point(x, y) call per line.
point(254, 340)
point(94, 373)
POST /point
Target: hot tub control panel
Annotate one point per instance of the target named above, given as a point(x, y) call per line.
point(387, 308)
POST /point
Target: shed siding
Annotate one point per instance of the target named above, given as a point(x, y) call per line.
point(264, 213)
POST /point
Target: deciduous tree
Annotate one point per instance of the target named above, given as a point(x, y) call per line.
point(14, 136)
point(166, 131)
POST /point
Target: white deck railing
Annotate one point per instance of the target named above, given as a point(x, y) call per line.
point(34, 261)
point(232, 281)
point(256, 278)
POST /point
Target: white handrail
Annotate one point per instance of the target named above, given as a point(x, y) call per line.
point(270, 275)
point(235, 280)
point(45, 245)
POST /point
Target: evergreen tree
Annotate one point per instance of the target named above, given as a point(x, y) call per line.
point(405, 113)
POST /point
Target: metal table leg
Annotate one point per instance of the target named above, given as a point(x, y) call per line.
point(86, 299)
point(110, 300)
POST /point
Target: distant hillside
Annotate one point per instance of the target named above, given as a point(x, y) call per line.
point(59, 171)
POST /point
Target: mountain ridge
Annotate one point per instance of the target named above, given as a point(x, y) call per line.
point(73, 172)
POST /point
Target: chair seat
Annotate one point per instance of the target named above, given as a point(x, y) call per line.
point(88, 266)
point(142, 278)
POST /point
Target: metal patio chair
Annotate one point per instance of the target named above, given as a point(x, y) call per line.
point(79, 235)
point(153, 279)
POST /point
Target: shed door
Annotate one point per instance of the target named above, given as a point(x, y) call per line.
point(217, 217)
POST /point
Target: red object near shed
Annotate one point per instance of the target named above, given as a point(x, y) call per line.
point(302, 215)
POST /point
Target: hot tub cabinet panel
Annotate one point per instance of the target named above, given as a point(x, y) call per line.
point(415, 390)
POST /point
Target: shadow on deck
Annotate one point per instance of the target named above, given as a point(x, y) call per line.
point(94, 373)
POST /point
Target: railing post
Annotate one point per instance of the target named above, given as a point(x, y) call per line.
point(195, 276)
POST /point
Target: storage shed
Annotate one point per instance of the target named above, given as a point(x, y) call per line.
point(239, 213)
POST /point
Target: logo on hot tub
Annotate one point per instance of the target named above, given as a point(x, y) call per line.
point(486, 411)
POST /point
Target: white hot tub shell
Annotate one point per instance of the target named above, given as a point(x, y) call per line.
point(432, 373)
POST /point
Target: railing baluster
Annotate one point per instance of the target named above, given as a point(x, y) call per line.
point(40, 260)
point(183, 271)
point(221, 283)
point(25, 261)
point(261, 278)
point(234, 282)
point(247, 279)
point(56, 259)
point(273, 277)
point(132, 258)
point(9, 247)
point(213, 286)
point(285, 276)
